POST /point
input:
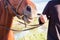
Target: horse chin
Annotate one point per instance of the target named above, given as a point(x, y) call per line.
point(29, 21)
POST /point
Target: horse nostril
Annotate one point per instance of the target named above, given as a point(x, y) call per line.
point(28, 8)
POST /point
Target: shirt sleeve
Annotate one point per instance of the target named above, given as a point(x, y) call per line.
point(46, 10)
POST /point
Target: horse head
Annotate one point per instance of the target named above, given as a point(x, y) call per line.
point(25, 9)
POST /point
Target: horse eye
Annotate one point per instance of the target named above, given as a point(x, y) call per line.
point(28, 8)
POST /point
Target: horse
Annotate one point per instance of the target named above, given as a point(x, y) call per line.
point(23, 9)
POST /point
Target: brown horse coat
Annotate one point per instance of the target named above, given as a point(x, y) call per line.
point(6, 18)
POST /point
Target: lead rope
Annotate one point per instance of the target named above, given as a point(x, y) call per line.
point(4, 26)
point(58, 35)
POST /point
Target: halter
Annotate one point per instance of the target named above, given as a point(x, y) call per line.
point(6, 2)
point(13, 8)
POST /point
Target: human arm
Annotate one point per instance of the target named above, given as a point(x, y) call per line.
point(45, 15)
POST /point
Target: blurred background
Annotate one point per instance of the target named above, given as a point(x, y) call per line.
point(39, 33)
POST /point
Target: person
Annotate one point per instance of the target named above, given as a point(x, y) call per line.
point(52, 12)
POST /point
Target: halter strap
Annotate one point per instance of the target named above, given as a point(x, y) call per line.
point(16, 13)
point(14, 9)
